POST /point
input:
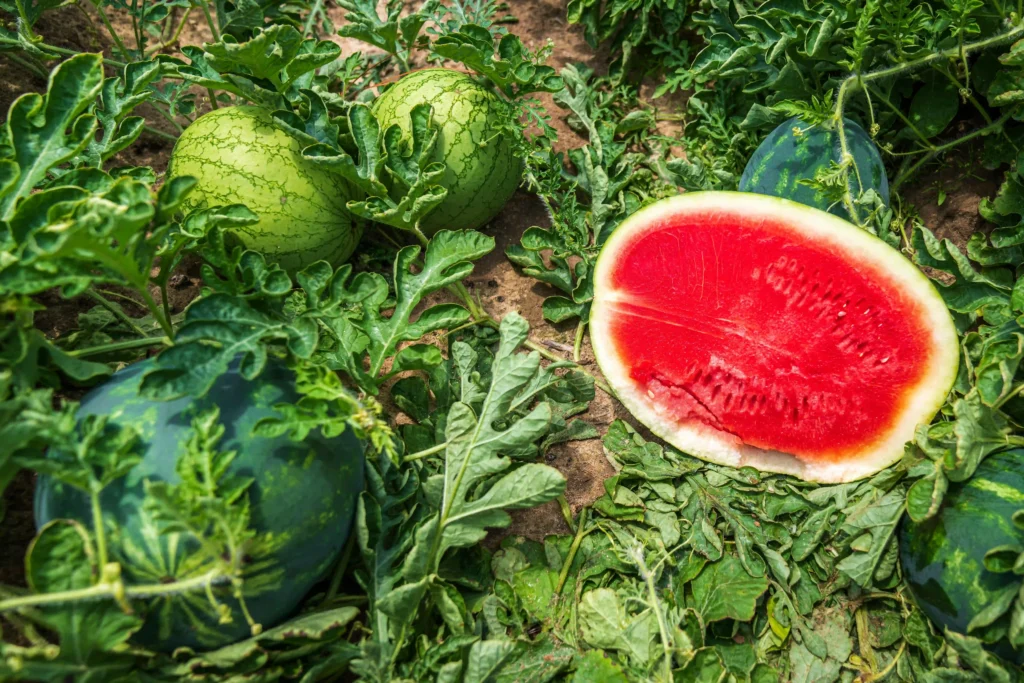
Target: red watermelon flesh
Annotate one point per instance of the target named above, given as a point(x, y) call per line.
point(750, 330)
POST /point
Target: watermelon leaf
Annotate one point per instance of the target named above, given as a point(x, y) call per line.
point(515, 71)
point(254, 312)
point(724, 590)
point(505, 410)
point(398, 177)
point(971, 289)
point(271, 68)
point(394, 34)
point(45, 131)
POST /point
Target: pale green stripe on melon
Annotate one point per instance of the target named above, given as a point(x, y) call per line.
point(923, 401)
point(1002, 490)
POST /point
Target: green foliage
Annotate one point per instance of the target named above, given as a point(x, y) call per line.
point(394, 33)
point(587, 195)
point(681, 570)
point(495, 420)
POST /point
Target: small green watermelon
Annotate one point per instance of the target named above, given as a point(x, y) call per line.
point(304, 494)
point(241, 155)
point(796, 151)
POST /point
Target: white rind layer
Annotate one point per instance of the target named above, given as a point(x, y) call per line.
point(922, 403)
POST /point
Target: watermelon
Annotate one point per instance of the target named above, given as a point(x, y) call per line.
point(752, 330)
point(304, 494)
point(796, 151)
point(942, 557)
point(481, 171)
point(240, 155)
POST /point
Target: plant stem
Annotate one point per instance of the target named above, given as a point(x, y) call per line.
point(209, 20)
point(97, 528)
point(648, 577)
point(963, 88)
point(860, 80)
point(159, 133)
point(937, 149)
point(120, 346)
point(45, 47)
point(113, 34)
point(29, 66)
point(339, 571)
point(116, 311)
point(563, 505)
point(426, 452)
point(899, 113)
point(578, 342)
point(170, 118)
point(891, 665)
point(174, 37)
point(1001, 402)
point(581, 531)
point(154, 308)
point(311, 19)
point(102, 591)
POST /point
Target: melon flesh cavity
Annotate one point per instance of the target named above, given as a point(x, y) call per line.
point(751, 330)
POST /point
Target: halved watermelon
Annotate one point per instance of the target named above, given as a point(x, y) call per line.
point(751, 330)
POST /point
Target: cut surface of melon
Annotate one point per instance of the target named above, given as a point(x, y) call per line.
point(751, 330)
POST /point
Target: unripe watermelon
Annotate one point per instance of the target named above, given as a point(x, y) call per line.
point(942, 557)
point(304, 494)
point(240, 155)
point(482, 173)
point(796, 151)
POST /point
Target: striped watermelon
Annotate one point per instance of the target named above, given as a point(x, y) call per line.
point(942, 557)
point(241, 156)
point(796, 151)
point(304, 494)
point(482, 172)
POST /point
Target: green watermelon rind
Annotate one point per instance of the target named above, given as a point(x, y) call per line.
point(481, 172)
point(942, 557)
point(820, 226)
point(783, 159)
point(240, 155)
point(304, 495)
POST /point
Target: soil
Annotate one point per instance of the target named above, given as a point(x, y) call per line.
point(501, 287)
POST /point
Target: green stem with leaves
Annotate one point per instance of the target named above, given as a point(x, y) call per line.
point(128, 345)
point(113, 33)
point(45, 47)
point(860, 81)
point(581, 531)
point(481, 317)
point(578, 341)
point(655, 605)
point(937, 149)
point(103, 590)
point(173, 40)
point(317, 8)
point(116, 311)
point(425, 453)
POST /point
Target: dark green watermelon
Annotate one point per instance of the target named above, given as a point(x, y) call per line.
point(942, 557)
point(785, 158)
point(304, 494)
